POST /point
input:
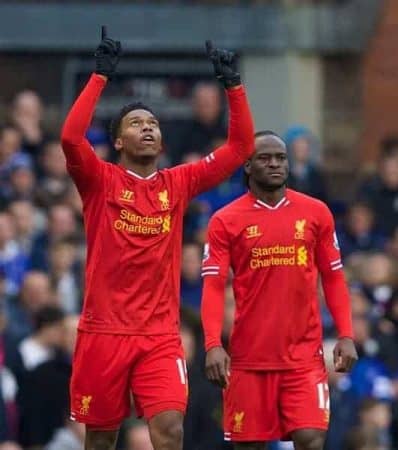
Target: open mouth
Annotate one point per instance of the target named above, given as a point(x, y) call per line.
point(148, 138)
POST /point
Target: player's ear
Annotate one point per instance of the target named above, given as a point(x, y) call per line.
point(118, 144)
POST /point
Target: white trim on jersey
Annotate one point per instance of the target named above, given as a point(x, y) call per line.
point(336, 264)
point(210, 157)
point(210, 272)
point(140, 177)
point(209, 267)
point(282, 202)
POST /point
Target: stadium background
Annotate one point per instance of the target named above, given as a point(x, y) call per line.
point(323, 74)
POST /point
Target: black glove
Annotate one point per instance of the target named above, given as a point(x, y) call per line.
point(107, 55)
point(224, 63)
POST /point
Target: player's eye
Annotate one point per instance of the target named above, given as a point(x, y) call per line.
point(135, 123)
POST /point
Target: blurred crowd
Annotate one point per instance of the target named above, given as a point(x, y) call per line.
point(42, 252)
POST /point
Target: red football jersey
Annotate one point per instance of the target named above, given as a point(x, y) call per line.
point(275, 254)
point(134, 225)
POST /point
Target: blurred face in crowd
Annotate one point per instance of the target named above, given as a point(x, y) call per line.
point(23, 212)
point(301, 150)
point(377, 416)
point(54, 334)
point(22, 180)
point(191, 262)
point(139, 136)
point(268, 168)
point(7, 229)
point(27, 105)
point(360, 219)
point(361, 328)
point(359, 303)
point(206, 103)
point(389, 171)
point(36, 291)
point(62, 222)
point(377, 270)
point(62, 257)
point(10, 143)
point(138, 438)
point(53, 161)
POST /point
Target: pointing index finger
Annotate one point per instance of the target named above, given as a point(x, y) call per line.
point(104, 33)
point(209, 47)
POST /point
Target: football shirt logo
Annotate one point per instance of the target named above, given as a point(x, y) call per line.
point(252, 232)
point(127, 196)
point(164, 200)
point(85, 404)
point(300, 225)
point(238, 422)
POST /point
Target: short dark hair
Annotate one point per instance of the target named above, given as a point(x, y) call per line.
point(266, 133)
point(389, 147)
point(257, 134)
point(115, 123)
point(47, 316)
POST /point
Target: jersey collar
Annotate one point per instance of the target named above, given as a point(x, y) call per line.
point(152, 175)
point(261, 204)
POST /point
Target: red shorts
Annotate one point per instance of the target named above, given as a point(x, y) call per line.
point(108, 368)
point(269, 405)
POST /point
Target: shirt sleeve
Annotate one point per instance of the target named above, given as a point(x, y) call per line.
point(215, 268)
point(82, 163)
point(219, 165)
point(330, 266)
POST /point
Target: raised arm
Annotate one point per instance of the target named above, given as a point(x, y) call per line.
point(224, 161)
point(337, 296)
point(82, 163)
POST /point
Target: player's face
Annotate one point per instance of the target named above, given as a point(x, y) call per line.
point(140, 135)
point(268, 167)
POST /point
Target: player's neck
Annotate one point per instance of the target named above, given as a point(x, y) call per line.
point(143, 169)
point(269, 197)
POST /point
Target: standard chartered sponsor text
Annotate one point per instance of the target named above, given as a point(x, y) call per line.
point(134, 223)
point(276, 255)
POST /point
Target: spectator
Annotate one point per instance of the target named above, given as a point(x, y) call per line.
point(54, 181)
point(24, 213)
point(207, 126)
point(10, 154)
point(305, 176)
point(191, 281)
point(64, 275)
point(34, 294)
point(47, 336)
point(13, 261)
point(358, 232)
point(44, 389)
point(381, 191)
point(27, 117)
point(377, 276)
point(61, 225)
point(21, 183)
